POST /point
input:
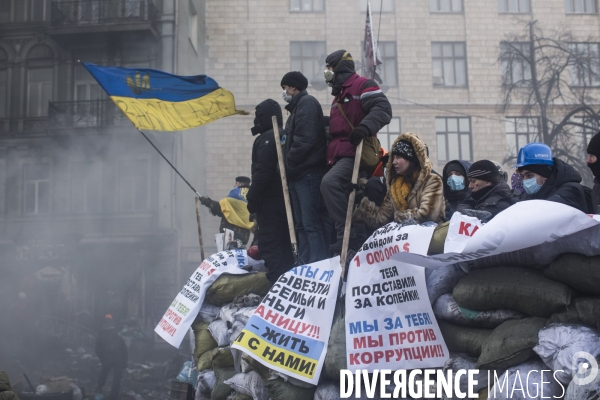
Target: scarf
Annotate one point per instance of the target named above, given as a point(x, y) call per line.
point(400, 191)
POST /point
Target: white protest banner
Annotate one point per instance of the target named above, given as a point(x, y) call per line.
point(523, 225)
point(183, 310)
point(289, 330)
point(460, 229)
point(389, 320)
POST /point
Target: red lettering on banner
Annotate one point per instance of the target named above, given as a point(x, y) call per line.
point(168, 328)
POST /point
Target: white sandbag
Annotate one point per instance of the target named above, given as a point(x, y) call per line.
point(226, 313)
point(589, 391)
point(249, 384)
point(585, 242)
point(442, 280)
point(243, 314)
point(293, 381)
point(525, 382)
point(208, 312)
point(327, 391)
point(460, 361)
point(235, 331)
point(446, 308)
point(205, 383)
point(559, 343)
point(218, 329)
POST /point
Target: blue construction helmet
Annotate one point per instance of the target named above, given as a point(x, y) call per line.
point(535, 153)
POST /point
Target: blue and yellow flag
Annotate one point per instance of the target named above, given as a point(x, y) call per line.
point(160, 101)
point(235, 208)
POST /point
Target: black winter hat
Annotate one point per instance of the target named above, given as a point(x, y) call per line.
point(594, 145)
point(243, 179)
point(541, 170)
point(484, 170)
point(295, 79)
point(345, 64)
point(456, 167)
point(405, 150)
point(263, 114)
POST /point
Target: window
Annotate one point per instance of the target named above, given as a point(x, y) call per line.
point(86, 193)
point(193, 26)
point(133, 185)
point(514, 63)
point(39, 91)
point(445, 6)
point(307, 58)
point(388, 70)
point(580, 6)
point(453, 139)
point(86, 87)
point(307, 5)
point(36, 188)
point(389, 133)
point(37, 10)
point(449, 64)
point(378, 5)
point(585, 69)
point(519, 132)
point(514, 6)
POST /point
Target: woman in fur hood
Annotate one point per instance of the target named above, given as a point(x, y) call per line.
point(414, 192)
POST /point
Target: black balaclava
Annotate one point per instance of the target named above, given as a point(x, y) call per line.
point(264, 112)
point(344, 70)
point(594, 148)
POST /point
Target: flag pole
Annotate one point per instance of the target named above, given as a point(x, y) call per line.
point(372, 39)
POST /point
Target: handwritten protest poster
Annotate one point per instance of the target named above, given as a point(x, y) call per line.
point(290, 329)
point(183, 310)
point(389, 320)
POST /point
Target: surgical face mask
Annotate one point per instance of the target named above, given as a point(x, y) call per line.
point(286, 97)
point(456, 183)
point(329, 77)
point(531, 186)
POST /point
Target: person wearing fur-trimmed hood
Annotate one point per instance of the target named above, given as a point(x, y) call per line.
point(414, 192)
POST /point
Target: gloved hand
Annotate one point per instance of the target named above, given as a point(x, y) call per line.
point(253, 207)
point(358, 134)
point(352, 186)
point(205, 201)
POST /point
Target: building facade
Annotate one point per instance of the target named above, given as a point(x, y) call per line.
point(83, 196)
point(441, 68)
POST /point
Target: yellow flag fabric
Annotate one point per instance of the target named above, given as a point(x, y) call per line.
point(236, 212)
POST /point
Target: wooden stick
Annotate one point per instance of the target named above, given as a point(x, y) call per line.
point(286, 193)
point(349, 211)
point(199, 229)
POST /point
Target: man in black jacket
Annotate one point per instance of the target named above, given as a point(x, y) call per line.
point(112, 352)
point(305, 146)
point(489, 192)
point(265, 197)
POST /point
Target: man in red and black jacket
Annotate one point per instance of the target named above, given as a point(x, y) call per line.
point(368, 110)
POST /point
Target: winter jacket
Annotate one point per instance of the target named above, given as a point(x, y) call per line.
point(305, 142)
point(454, 198)
point(425, 199)
point(562, 186)
point(364, 104)
point(499, 198)
point(238, 232)
point(266, 181)
point(6, 392)
point(596, 196)
point(111, 348)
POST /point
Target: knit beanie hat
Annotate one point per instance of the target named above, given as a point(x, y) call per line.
point(456, 167)
point(594, 145)
point(484, 170)
point(295, 79)
point(243, 179)
point(405, 150)
point(541, 170)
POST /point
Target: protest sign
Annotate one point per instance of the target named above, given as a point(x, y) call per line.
point(460, 229)
point(389, 320)
point(523, 225)
point(289, 330)
point(183, 310)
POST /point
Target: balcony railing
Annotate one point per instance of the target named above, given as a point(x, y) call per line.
point(98, 12)
point(85, 114)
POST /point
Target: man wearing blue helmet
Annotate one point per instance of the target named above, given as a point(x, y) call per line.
point(549, 178)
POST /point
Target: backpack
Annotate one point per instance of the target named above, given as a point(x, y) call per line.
point(369, 158)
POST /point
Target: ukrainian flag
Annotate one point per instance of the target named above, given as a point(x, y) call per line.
point(235, 208)
point(159, 101)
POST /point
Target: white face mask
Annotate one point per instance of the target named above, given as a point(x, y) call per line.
point(286, 97)
point(329, 77)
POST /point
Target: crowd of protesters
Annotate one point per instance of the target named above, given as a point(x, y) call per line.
point(400, 186)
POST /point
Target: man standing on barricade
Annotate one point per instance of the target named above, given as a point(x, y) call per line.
point(305, 145)
point(358, 111)
point(265, 197)
point(593, 163)
point(549, 178)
